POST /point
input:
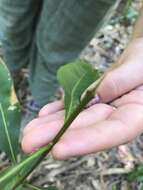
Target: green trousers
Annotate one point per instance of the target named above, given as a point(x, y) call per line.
point(44, 35)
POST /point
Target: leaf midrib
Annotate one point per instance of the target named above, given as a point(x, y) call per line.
point(74, 88)
point(7, 134)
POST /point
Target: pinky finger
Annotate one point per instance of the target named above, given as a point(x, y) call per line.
point(51, 108)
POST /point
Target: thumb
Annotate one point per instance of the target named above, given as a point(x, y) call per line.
point(120, 80)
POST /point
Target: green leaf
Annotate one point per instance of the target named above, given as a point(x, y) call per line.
point(10, 176)
point(9, 115)
point(8, 184)
point(80, 84)
point(75, 78)
point(11, 173)
point(136, 174)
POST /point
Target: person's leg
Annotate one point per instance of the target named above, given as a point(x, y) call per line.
point(64, 29)
point(17, 19)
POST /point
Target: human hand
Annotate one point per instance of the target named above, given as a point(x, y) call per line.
point(100, 126)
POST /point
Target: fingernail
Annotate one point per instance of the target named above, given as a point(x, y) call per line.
point(95, 100)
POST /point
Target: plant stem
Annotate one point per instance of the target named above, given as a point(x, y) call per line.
point(48, 148)
point(45, 150)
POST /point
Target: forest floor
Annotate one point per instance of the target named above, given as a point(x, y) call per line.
point(105, 170)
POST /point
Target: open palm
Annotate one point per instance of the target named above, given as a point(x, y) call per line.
point(102, 125)
point(98, 127)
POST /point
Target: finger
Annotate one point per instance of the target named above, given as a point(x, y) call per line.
point(122, 79)
point(123, 125)
point(93, 114)
point(38, 122)
point(135, 96)
point(33, 138)
point(39, 137)
point(51, 108)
